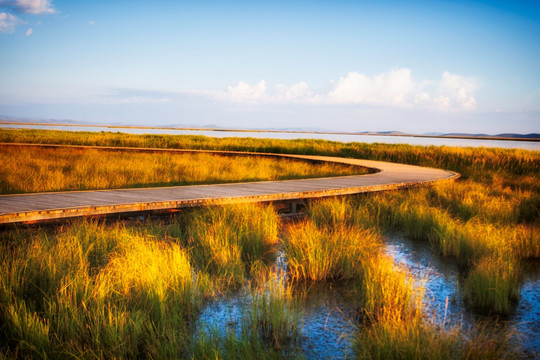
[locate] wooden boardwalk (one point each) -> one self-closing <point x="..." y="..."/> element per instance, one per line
<point x="60" y="205"/>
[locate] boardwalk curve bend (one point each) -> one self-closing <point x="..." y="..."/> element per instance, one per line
<point x="60" y="205"/>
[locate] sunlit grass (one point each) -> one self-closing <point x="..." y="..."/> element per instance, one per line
<point x="32" y="169"/>
<point x="122" y="290"/>
<point x="227" y="240"/>
<point x="335" y="243"/>
<point x="468" y="231"/>
<point x="414" y="338"/>
<point x="95" y="290"/>
<point x="322" y="254"/>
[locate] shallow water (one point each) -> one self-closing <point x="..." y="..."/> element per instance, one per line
<point x="329" y="325"/>
<point x="441" y="279"/>
<point x="439" y="275"/>
<point x="526" y="317"/>
<point x="328" y="316"/>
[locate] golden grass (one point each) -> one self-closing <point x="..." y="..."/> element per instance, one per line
<point x="227" y="240"/>
<point x="96" y="291"/>
<point x="333" y="244"/>
<point x="126" y="290"/>
<point x="322" y="254"/>
<point x="480" y="226"/>
<point x="33" y="169"/>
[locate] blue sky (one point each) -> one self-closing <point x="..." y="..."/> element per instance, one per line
<point x="414" y="66"/>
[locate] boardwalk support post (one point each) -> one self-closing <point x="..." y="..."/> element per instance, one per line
<point x="295" y="205"/>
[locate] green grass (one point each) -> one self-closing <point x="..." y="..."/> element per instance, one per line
<point x="226" y="241"/>
<point x="480" y="243"/>
<point x="493" y="284"/>
<point x="335" y="244"/>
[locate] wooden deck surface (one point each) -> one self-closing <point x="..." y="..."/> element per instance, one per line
<point x="58" y="205"/>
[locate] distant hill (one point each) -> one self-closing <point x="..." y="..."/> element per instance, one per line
<point x="505" y="135"/>
<point x="520" y="136"/>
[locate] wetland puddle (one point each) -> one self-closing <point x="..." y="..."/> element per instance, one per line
<point x="328" y="324"/>
<point x="440" y="276"/>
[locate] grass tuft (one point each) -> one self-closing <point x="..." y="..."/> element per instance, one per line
<point x="327" y="253"/>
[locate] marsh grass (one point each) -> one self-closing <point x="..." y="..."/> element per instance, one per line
<point x="32" y="169"/>
<point x="275" y="314"/>
<point x="392" y="319"/>
<point x="415" y="338"/>
<point x="328" y="253"/>
<point x="227" y="241"/>
<point x="474" y="236"/>
<point x="125" y="290"/>
<point x="95" y="290"/>
<point x="387" y="292"/>
<point x="493" y="284"/>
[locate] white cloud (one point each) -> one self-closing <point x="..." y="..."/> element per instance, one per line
<point x="8" y="23"/>
<point x="458" y="90"/>
<point x="244" y="92"/>
<point x="30" y="6"/>
<point x="394" y="88"/>
<point x="91" y="23"/>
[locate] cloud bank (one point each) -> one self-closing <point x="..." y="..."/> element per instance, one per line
<point x="394" y="88"/>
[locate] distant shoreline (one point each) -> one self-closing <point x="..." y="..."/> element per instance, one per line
<point x="472" y="137"/>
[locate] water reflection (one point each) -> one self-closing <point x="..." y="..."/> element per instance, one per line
<point x="441" y="277"/>
<point x="329" y="326"/>
<point x="329" y="311"/>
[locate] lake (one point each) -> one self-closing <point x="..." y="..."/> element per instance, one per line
<point x="511" y="144"/>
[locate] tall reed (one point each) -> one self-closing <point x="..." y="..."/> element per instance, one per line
<point x="488" y="221"/>
<point x="469" y="239"/>
<point x="393" y="322"/>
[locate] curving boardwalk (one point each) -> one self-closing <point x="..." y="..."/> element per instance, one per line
<point x="59" y="205"/>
